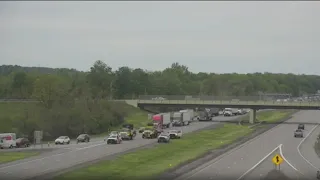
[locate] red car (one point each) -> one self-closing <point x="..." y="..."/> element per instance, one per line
<point x="22" y="142"/>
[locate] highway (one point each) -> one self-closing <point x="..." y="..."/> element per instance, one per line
<point x="68" y="156"/>
<point x="252" y="160"/>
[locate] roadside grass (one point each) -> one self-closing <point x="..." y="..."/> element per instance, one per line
<point x="269" y="116"/>
<point x="150" y="162"/>
<point x="6" y="157"/>
<point x="274" y="116"/>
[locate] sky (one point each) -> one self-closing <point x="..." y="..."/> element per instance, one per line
<point x="217" y="37"/>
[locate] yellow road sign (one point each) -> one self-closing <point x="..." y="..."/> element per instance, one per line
<point x="277" y="159"/>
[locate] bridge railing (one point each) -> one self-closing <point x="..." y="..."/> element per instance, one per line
<point x="203" y="97"/>
<point x="230" y="102"/>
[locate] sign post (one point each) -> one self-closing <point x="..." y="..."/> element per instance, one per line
<point x="277" y="160"/>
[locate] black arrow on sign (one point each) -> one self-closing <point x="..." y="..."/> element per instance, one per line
<point x="277" y="158"/>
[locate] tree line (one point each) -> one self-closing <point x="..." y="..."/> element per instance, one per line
<point x="102" y="82"/>
<point x="71" y="102"/>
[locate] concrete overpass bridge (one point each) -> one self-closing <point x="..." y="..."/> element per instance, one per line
<point x="253" y="102"/>
<point x="177" y="101"/>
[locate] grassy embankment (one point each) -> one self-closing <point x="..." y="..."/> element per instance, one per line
<point x="6" y="157"/>
<point x="147" y="163"/>
<point x="10" y="112"/>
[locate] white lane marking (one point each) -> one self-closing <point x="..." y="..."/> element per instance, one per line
<point x="228" y="153"/>
<point x="39" y="159"/>
<point x="288" y="161"/>
<point x="298" y="147"/>
<point x="264" y="158"/>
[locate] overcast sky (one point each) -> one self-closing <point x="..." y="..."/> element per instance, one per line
<point x="206" y="36"/>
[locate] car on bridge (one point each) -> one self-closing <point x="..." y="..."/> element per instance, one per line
<point x="298" y="133"/>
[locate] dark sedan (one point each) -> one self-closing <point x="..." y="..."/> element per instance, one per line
<point x="22" y="142"/>
<point x="83" y="138"/>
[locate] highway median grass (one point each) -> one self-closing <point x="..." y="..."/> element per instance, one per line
<point x="274" y="116"/>
<point x="6" y="157"/>
<point x="271" y="116"/>
<point x="150" y="162"/>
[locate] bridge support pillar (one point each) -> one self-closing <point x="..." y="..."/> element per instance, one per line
<point x="253" y="114"/>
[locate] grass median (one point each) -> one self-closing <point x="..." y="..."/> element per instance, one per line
<point x="6" y="157"/>
<point x="149" y="162"/>
<point x="274" y="116"/>
<point x="146" y="163"/>
<point x="271" y="116"/>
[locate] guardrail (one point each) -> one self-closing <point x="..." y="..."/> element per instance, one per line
<point x="209" y="102"/>
<point x="202" y="97"/>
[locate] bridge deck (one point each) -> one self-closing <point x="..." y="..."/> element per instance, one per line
<point x="244" y="104"/>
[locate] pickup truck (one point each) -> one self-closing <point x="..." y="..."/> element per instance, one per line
<point x="175" y="134"/>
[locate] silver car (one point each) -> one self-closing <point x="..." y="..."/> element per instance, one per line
<point x="298" y="133"/>
<point x="163" y="138"/>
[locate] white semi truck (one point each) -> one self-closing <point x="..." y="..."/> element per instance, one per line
<point x="189" y="111"/>
<point x="181" y="118"/>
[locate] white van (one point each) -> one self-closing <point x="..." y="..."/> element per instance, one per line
<point x="8" y="140"/>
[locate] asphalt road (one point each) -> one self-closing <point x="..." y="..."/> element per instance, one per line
<point x="252" y="160"/>
<point x="74" y="154"/>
